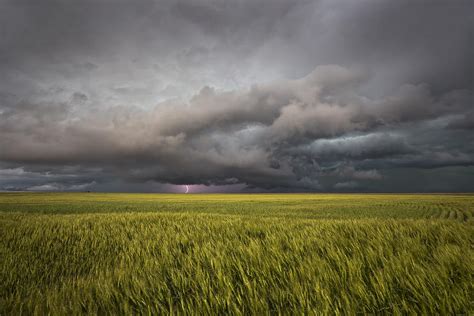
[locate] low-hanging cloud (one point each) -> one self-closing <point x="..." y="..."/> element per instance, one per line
<point x="295" y="98"/>
<point x="256" y="136"/>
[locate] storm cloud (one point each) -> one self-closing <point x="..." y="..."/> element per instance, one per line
<point x="236" y="95"/>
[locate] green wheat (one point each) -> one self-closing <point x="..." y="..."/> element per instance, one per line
<point x="236" y="254"/>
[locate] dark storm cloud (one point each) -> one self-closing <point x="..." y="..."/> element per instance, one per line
<point x="367" y="146"/>
<point x="464" y="122"/>
<point x="418" y="41"/>
<point x="277" y="95"/>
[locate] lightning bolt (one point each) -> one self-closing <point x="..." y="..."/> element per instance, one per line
<point x="187" y="188"/>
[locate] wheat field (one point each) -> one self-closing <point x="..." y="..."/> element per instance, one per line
<point x="92" y="253"/>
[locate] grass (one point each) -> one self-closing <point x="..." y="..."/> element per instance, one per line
<point x="236" y="254"/>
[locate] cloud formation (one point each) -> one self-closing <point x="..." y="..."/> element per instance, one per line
<point x="265" y="96"/>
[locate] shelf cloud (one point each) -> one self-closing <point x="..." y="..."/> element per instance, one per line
<point x="244" y="95"/>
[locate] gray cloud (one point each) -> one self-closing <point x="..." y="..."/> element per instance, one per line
<point x="466" y="121"/>
<point x="302" y="95"/>
<point x="367" y="146"/>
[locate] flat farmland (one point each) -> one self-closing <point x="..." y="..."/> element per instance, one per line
<point x="74" y="253"/>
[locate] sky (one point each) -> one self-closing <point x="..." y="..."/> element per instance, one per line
<point x="237" y="95"/>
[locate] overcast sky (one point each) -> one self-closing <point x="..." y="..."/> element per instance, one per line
<point x="237" y="95"/>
